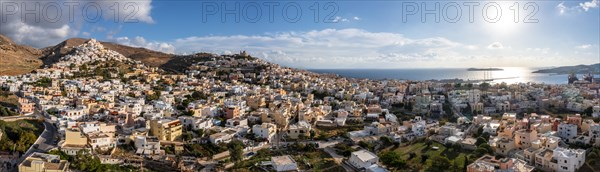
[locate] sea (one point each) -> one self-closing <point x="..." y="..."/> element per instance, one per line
<point x="509" y="75"/>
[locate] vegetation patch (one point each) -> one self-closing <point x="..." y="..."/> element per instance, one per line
<point x="19" y="135"/>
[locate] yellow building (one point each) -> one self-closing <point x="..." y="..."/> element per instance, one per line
<point x="298" y="130"/>
<point x="278" y="117"/>
<point x="166" y="129"/>
<point x="43" y="163"/>
<point x="74" y="137"/>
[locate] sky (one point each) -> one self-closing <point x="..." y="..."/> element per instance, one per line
<point x="327" y="34"/>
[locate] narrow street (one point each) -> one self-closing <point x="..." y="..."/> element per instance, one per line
<point x="45" y="142"/>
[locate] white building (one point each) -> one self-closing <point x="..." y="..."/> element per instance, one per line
<point x="568" y="160"/>
<point x="265" y="131"/>
<point x="567" y="131"/>
<point x="284" y="163"/>
<point x="89" y="127"/>
<point x="224" y="136"/>
<point x="594" y="133"/>
<point x="491" y="128"/>
<point x="363" y="159"/>
<point x="73" y="114"/>
<point x="99" y="140"/>
<point x="418" y="128"/>
<point x="147" y="145"/>
<point x="596" y="111"/>
<point x="196" y="123"/>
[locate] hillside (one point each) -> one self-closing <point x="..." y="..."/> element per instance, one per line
<point x="17" y="59"/>
<point x="579" y="69"/>
<point x="148" y="57"/>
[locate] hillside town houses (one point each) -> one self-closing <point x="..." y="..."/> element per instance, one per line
<point x="99" y="100"/>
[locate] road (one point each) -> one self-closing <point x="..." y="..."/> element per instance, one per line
<point x="336" y="157"/>
<point x="45" y="142"/>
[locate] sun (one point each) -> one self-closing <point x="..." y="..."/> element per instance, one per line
<point x="504" y="20"/>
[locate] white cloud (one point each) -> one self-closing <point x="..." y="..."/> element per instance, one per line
<point x="587" y="5"/>
<point x="129" y="11"/>
<point x="495" y="46"/>
<point x="562" y="9"/>
<point x="139" y="41"/>
<point x="581" y="7"/>
<point x="584" y="46"/>
<point x="338" y="19"/>
<point x="356" y="48"/>
<point x="53" y="22"/>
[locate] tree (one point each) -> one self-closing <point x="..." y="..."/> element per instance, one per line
<point x="392" y="159"/>
<point x="588" y="111"/>
<point x="480" y="151"/>
<point x="366" y="145"/>
<point x="456" y="167"/>
<point x="428" y="143"/>
<point x="63" y="155"/>
<point x="236" y="149"/>
<point x="424" y="158"/>
<point x="480" y="140"/>
<point x="439" y="163"/>
<point x="411" y="155"/>
<point x="456" y="147"/>
<point x="487" y="147"/>
<point x="484" y="86"/>
<point x="592" y="155"/>
<point x="409" y="106"/>
<point x="457" y="85"/>
<point x="188" y="113"/>
<point x="386" y="141"/>
<point x="465" y="164"/>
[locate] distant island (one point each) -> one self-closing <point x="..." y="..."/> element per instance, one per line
<point x="485" y="69"/>
<point x="579" y="69"/>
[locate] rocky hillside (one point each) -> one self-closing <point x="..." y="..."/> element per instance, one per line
<point x="148" y="57"/>
<point x="17" y="59"/>
<point x="579" y="69"/>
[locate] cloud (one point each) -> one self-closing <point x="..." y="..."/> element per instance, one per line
<point x="46" y="23"/>
<point x="581" y="7"/>
<point x="139" y="41"/>
<point x="338" y="19"/>
<point x="357" y="48"/>
<point x="562" y="9"/>
<point x="495" y="46"/>
<point x="129" y="11"/>
<point x="584" y="46"/>
<point x="353" y="48"/>
<point x="587" y="5"/>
